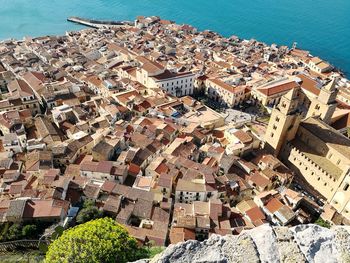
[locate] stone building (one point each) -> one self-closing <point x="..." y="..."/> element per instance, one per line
<point x="319" y="154"/>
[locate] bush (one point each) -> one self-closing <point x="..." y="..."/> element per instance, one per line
<point x="4" y="228"/>
<point x="29" y="231"/>
<point x="14" y="232"/>
<point x="322" y="223"/>
<point x="100" y="240"/>
<point x="88" y="212"/>
<point x="152" y="251"/>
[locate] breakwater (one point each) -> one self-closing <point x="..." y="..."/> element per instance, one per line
<point x="98" y="23"/>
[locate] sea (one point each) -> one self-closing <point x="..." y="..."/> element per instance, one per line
<point x="320" y="26"/>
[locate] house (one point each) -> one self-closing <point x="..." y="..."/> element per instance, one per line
<point x="154" y="75"/>
<point x="181" y="234"/>
<point x="104" y="170"/>
<point x="275" y="210"/>
<point x="270" y="93"/>
<point x="103" y="151"/>
<point x="188" y="191"/>
<point x="225" y="93"/>
<point x="37" y="210"/>
<point x="318" y="65"/>
<point x="37" y="161"/>
<point x="12" y="143"/>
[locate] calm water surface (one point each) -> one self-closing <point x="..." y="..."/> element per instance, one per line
<point x="321" y="26"/>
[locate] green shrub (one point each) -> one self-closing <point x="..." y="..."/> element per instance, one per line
<point x="14" y="232"/>
<point x="29" y="231"/>
<point x="100" y="240"/>
<point x="322" y="223"/>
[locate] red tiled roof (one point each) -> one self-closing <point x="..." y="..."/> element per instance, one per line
<point x="309" y="84"/>
<point x="44" y="208"/>
<point x="276" y="89"/>
<point x="134" y="169"/>
<point x="162" y="168"/>
<point x="273" y="205"/>
<point x="255" y="214"/>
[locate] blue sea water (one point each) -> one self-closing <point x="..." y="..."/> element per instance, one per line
<point x="321" y="26"/>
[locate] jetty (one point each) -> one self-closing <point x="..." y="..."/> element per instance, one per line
<point x="98" y="23"/>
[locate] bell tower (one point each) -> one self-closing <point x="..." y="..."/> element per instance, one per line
<point x="284" y="122"/>
<point x="324" y="105"/>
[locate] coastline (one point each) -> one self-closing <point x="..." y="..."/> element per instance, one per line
<point x="84" y="23"/>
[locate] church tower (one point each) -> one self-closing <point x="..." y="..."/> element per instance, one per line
<point x="324" y="105"/>
<point x="284" y="122"/>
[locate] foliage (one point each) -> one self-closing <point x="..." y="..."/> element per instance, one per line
<point x="14" y="232"/>
<point x="152" y="251"/>
<point x="21" y="256"/>
<point x="88" y="203"/>
<point x="100" y="240"/>
<point x="89" y="212"/>
<point x="322" y="223"/>
<point x="29" y="231"/>
<point x="3" y="230"/>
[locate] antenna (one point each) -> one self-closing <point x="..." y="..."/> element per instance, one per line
<point x="294" y="45"/>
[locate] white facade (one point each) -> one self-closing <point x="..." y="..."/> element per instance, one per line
<point x="177" y="86"/>
<point x="190" y="196"/>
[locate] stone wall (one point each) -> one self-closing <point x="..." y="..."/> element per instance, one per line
<point x="303" y="243"/>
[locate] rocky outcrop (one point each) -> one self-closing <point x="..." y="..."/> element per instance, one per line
<point x="303" y="243"/>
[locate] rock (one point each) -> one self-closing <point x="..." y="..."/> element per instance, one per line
<point x="303" y="243"/>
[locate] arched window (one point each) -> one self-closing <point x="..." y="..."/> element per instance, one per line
<point x="346" y="187"/>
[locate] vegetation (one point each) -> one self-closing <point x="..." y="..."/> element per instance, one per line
<point x="100" y="240"/>
<point x="88" y="212"/>
<point x="322" y="223"/>
<point x="23" y="256"/>
<point x="150" y="252"/>
<point x="16" y="231"/>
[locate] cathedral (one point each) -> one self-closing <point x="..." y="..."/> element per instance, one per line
<point x="305" y="141"/>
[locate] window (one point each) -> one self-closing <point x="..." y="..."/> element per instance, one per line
<point x="346" y="187"/>
<point x="338" y="162"/>
<point x="274" y="127"/>
<point x="317" y="107"/>
<point x="277" y="119"/>
<point x="272" y="134"/>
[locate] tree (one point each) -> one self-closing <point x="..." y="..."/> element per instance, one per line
<point x="89" y="212"/>
<point x="14" y="232"/>
<point x="100" y="240"/>
<point x="29" y="231"/>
